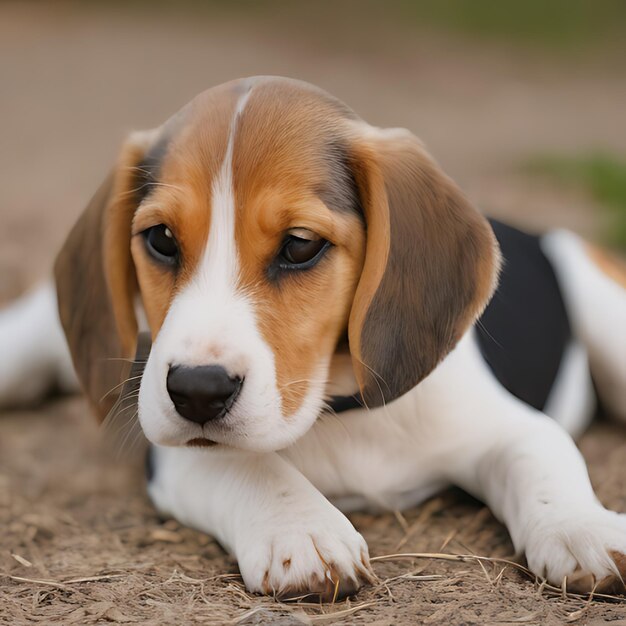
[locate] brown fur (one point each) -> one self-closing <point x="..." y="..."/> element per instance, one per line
<point x="96" y="285"/>
<point x="182" y="198"/>
<point x="300" y="159"/>
<point x="99" y="266"/>
<point x="281" y="172"/>
<point x="429" y="270"/>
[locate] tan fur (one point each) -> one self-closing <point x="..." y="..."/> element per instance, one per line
<point x="610" y="264"/>
<point x="296" y="152"/>
<point x="302" y="317"/>
<point x="275" y="180"/>
<point x="378" y="244"/>
<point x="182" y="199"/>
<point x="279" y="167"/>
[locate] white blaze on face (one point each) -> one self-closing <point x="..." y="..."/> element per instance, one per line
<point x="219" y="263"/>
<point x="212" y="322"/>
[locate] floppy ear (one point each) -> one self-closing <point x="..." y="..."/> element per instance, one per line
<point x="96" y="282"/>
<point x="430" y="265"/>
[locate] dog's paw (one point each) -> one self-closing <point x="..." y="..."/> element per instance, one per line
<point x="582" y="551"/>
<point x="322" y="556"/>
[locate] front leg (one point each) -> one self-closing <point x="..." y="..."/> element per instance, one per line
<point x="534" y="479"/>
<point x="288" y="539"/>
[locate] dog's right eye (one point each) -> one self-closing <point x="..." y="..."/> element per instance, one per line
<point x="161" y="244"/>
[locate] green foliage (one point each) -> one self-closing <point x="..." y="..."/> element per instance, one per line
<point x="552" y="22"/>
<point x="603" y="175"/>
<point x="568" y="24"/>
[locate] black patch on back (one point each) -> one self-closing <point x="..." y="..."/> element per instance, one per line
<point x="524" y="330"/>
<point x="148" y="169"/>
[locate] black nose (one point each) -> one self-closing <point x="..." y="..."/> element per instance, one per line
<point x="202" y="393"/>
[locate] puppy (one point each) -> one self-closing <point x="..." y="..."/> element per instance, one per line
<point x="315" y="290"/>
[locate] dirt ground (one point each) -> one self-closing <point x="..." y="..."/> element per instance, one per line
<point x="79" y="542"/>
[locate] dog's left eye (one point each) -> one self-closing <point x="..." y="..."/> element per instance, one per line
<point x="301" y="249"/>
<point x="161" y="244"/>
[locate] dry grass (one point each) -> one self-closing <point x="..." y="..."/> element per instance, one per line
<point x="81" y="545"/>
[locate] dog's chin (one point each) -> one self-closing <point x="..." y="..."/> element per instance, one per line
<point x="265" y="434"/>
<point x="247" y="443"/>
<point x="201" y="442"/>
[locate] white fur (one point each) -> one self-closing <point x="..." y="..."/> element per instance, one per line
<point x="481" y="438"/>
<point x="597" y="306"/>
<point x="34" y="352"/>
<point x="572" y="399"/>
<point x="270" y="507"/>
<point x="263" y="510"/>
<point x="212" y="321"/>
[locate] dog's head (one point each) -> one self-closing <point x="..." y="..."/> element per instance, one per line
<point x="278" y="245"/>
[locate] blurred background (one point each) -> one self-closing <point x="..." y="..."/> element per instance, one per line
<point x="522" y="102"/>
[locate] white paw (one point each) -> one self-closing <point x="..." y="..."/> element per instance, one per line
<point x="320" y="554"/>
<point x="584" y="550"/>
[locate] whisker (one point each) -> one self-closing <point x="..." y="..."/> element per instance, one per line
<point x="376" y="377"/>
<point x="123" y="404"/>
<point x="125" y="440"/>
<point x="110" y="391"/>
<point x="330" y="414"/>
<point x="114" y="358"/>
<point x="484" y="329"/>
<point x="127" y="425"/>
<point x="310" y="381"/>
<point x="134" y="444"/>
<point x="118" y="409"/>
<point x="122" y="423"/>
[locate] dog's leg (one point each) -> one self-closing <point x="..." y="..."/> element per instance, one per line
<point x="529" y="472"/>
<point x="35" y="357"/>
<point x="287" y="538"/>
<point x="594" y="286"/>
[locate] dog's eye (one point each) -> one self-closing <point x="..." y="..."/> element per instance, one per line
<point x="161" y="244"/>
<point x="302" y="248"/>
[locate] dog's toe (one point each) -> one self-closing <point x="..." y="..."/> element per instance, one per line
<point x="583" y="554"/>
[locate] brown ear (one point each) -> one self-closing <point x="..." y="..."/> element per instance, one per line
<point x="96" y="283"/>
<point x="430" y="265"/>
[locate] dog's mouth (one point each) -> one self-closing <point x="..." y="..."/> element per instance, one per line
<point x="201" y="442"/>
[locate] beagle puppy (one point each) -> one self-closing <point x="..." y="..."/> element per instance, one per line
<point x="333" y="326"/>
